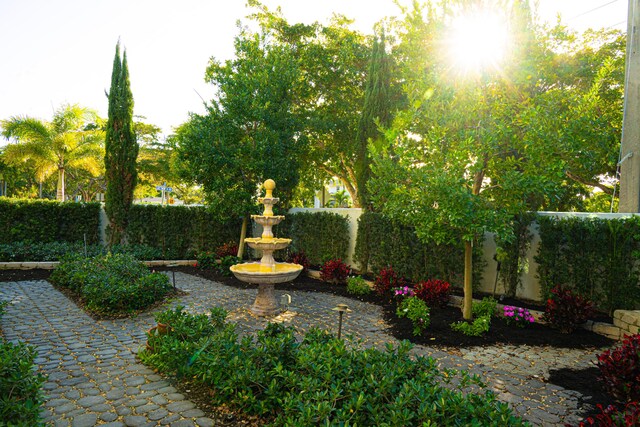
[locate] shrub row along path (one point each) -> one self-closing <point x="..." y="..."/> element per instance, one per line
<point x="94" y="378"/>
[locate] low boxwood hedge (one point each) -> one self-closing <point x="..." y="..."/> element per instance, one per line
<point x="112" y="283"/>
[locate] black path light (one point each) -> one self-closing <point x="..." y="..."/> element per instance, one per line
<point x="173" y="271"/>
<point x="341" y="309"/>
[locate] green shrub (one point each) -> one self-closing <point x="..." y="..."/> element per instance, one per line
<point x="320" y="235"/>
<point x="206" y="260"/>
<point x="20" y="387"/>
<point x="482" y="311"/>
<point x="225" y="263"/>
<point x="486" y="307"/>
<point x="114" y="283"/>
<point x="417" y="311"/>
<point x="55" y="251"/>
<point x="358" y="286"/>
<point x="45" y="221"/>
<point x="320" y="380"/>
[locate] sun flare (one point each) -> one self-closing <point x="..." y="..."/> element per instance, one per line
<point x="478" y="41"/>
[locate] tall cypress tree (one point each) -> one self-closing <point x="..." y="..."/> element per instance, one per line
<point x="376" y="111"/>
<point x="121" y="149"/>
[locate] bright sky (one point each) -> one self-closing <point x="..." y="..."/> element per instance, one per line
<point x="56" y="52"/>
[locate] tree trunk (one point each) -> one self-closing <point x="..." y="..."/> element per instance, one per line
<point x="468" y="281"/>
<point x="243" y="234"/>
<point x="60" y="190"/>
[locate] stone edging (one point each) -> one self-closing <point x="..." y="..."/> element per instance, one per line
<point x="50" y="265"/>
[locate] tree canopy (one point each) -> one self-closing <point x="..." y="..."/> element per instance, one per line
<point x="73" y="141"/>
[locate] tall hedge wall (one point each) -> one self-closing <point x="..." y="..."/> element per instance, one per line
<point x="382" y="242"/>
<point x="44" y="221"/>
<point x="179" y="231"/>
<point x="596" y="257"/>
<point x="321" y="235"/>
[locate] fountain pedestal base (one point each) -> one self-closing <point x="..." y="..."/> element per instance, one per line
<point x="265" y="303"/>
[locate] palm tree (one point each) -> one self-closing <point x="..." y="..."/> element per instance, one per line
<point x="341" y="199"/>
<point x="72" y="140"/>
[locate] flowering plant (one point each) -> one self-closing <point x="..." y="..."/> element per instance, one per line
<point x="386" y="280"/>
<point x="518" y="316"/>
<point x="403" y="292"/>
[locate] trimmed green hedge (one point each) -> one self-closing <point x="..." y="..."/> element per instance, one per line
<point x="383" y="243"/>
<point x="179" y="231"/>
<point x="597" y="258"/>
<point x="46" y="221"/>
<point x="320" y="235"/>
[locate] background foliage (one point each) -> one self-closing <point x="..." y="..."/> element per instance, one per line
<point x="45" y="221"/>
<point x="321" y="235"/>
<point x="596" y="258"/>
<point x="382" y="242"/>
<point x="179" y="232"/>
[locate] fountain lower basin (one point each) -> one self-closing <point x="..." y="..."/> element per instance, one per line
<point x="255" y="272"/>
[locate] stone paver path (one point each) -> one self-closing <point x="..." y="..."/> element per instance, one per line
<point x="94" y="377"/>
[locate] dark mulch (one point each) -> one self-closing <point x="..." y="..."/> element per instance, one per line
<point x="439" y="333"/>
<point x="17" y="275"/>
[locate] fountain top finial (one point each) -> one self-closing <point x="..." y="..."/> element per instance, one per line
<point x="269" y="185"/>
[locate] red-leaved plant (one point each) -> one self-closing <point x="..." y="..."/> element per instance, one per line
<point x="566" y="311"/>
<point x="227" y="249"/>
<point x="386" y="280"/>
<point x="434" y="292"/>
<point x="334" y="271"/>
<point x="620" y="369"/>
<point x="299" y="258"/>
<point x="612" y="417"/>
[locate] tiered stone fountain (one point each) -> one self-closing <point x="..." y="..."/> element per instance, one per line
<point x="267" y="272"/>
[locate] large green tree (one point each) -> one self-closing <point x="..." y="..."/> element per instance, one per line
<point x="251" y="131"/>
<point x="466" y="154"/>
<point x="121" y="150"/>
<point x="71" y="141"/>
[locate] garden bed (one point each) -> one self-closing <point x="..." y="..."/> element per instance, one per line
<point x="439" y="333"/>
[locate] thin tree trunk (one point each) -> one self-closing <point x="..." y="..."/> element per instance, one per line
<point x="60" y="190"/>
<point x="468" y="281"/>
<point x="243" y="234"/>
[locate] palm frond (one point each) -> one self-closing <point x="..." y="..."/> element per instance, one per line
<point x="23" y="129"/>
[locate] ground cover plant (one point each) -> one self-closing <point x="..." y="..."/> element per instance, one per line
<point x="111" y="284"/>
<point x="284" y="380"/>
<point x="20" y="386"/>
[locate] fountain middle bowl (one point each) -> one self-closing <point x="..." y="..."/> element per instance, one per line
<point x="255" y="272"/>
<point x="272" y="244"/>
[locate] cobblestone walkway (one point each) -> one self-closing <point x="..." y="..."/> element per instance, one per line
<point x="94" y="377"/>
